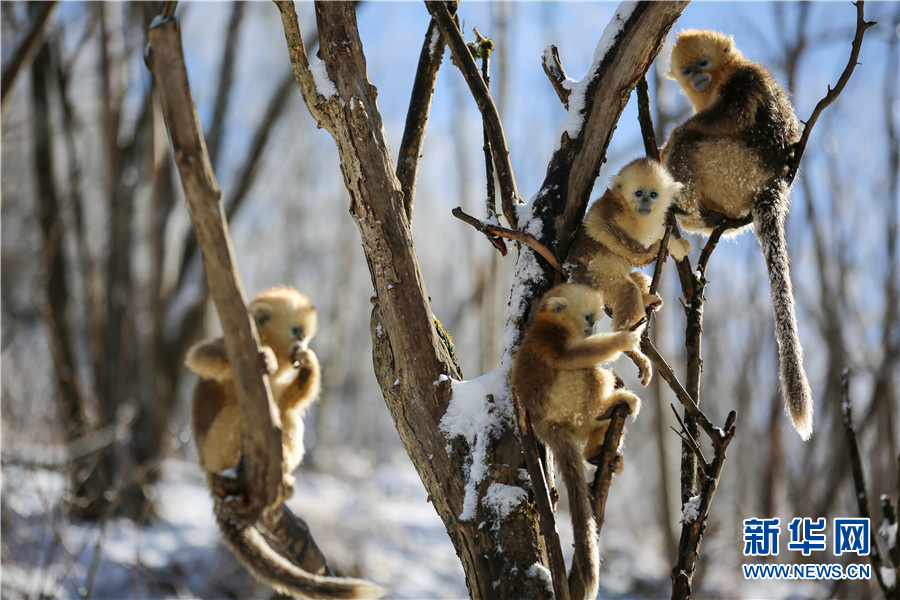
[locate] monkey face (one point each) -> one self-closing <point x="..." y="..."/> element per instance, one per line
<point x="575" y="305"/>
<point x="644" y="199"/>
<point x="286" y="321"/>
<point x="697" y="62"/>
<point x="696" y="75"/>
<point x="644" y="184"/>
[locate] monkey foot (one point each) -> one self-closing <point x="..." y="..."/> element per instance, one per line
<point x="266" y="361"/>
<point x="617" y="463"/>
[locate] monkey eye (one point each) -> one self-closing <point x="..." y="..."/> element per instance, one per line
<point x="686" y="71"/>
<point x="639" y="194"/>
<point x="589" y="318"/>
<point x="297" y="332"/>
<point x="704" y="63"/>
<point x="653" y="195"/>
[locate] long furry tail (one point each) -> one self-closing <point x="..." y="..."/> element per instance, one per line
<point x="585" y="570"/>
<point x="768" y="218"/>
<point x="273" y="569"/>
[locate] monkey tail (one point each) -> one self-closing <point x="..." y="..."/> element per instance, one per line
<point x="769" y="213"/>
<point x="273" y="569"/>
<point x="585" y="570"/>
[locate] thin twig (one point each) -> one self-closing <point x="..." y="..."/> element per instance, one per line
<point x="608" y="458"/>
<point x="557" y="75"/>
<point x="645" y="120"/>
<point x="546" y="519"/>
<point x="481" y="226"/>
<point x="226" y="78"/>
<point x="509" y="195"/>
<point x="859" y="478"/>
<point x="520" y="236"/>
<point x="430" y="58"/>
<point x="687" y="437"/>
<point x="861" y="26"/>
<point x="665" y="371"/>
<point x="490" y="203"/>
<point x="651" y="149"/>
<point x="692" y="529"/>
<point x="23" y="54"/>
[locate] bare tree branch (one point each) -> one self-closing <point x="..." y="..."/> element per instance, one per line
<point x="226" y="77"/>
<point x="509" y="194"/>
<point x="410" y="355"/>
<point x="695" y="511"/>
<point x="543" y="501"/>
<point x="861" y="26"/>
<point x="481" y="226"/>
<point x="23" y="54"/>
<point x="419" y="107"/>
<point x="859" y="484"/>
<point x="557" y="75"/>
<point x="607" y="462"/>
<point x="261" y="446"/>
<point x="494" y="231"/>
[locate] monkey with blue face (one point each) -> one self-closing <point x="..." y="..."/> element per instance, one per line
<point x="732" y="156"/>
<point x="623" y="231"/>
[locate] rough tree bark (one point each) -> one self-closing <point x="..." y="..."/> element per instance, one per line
<point x="412" y="359"/>
<point x="261" y="445"/>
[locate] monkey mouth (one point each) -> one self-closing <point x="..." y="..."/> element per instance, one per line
<point x="701" y="82"/>
<point x="644" y="209"/>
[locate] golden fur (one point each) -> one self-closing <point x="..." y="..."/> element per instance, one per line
<point x="286" y="321"/>
<point x="557" y="374"/>
<point x="732" y="157"/>
<point x="616" y="238"/>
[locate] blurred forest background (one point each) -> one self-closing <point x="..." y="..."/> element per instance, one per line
<point x="102" y="290"/>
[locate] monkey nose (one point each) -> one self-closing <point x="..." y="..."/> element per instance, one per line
<point x="701" y="82"/>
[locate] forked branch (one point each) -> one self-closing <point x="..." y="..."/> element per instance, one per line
<point x="430" y="58"/>
<point x="859" y="483"/>
<point x="493" y="232"/>
<point x="833" y="92"/>
<point x="558" y="79"/>
<point x="509" y="194"/>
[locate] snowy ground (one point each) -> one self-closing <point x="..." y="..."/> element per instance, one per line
<point x="370" y="521"/>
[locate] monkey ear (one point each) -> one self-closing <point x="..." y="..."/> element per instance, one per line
<point x="670" y="75"/>
<point x="261" y="314"/>
<point x="728" y="44"/>
<point x="616" y="181"/>
<point x="556" y="304"/>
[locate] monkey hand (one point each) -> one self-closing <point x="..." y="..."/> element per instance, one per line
<point x="301" y="358"/>
<point x="288" y="485"/>
<point x="653" y="302"/>
<point x="679" y="248"/>
<point x="663" y="152"/>
<point x="266" y="361"/>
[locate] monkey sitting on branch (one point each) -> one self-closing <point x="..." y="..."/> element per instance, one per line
<point x="623" y="231"/>
<point x="732" y="157"/>
<point x="558" y="378"/>
<point x="286" y="322"/>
